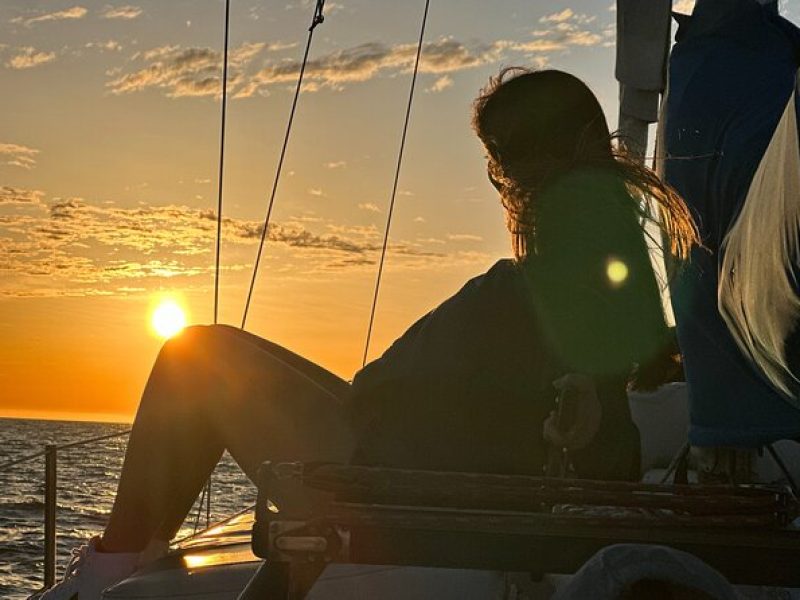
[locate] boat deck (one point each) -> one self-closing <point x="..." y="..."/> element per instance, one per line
<point x="215" y="564"/>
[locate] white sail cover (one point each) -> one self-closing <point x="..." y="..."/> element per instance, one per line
<point x="757" y="289"/>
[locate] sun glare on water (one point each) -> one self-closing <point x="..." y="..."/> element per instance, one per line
<point x="168" y="319"/>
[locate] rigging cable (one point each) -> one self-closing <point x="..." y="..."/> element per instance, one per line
<point x="224" y="105"/>
<point x="317" y="19"/>
<point x="221" y="156"/>
<point x="396" y="179"/>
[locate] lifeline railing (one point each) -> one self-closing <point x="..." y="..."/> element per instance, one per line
<point x="50" y="454"/>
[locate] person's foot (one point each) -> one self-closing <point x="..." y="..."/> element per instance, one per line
<point x="91" y="571"/>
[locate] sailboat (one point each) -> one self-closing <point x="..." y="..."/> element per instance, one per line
<point x="306" y="517"/>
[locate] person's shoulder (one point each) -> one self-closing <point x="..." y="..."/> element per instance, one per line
<point x="500" y="276"/>
<point x="452" y="324"/>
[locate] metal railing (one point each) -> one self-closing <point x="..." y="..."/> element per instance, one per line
<point x="50" y="454"/>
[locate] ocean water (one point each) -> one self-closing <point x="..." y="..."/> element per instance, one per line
<point x="87" y="480"/>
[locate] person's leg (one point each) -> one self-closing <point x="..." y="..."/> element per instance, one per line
<point x="216" y="388"/>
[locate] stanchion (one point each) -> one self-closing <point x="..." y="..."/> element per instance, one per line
<point x="50" y="483"/>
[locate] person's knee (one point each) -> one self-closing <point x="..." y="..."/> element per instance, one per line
<point x="196" y="339"/>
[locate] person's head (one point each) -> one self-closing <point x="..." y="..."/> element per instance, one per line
<point x="537" y="125"/>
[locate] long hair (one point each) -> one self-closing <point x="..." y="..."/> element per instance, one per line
<point x="537" y="125"/>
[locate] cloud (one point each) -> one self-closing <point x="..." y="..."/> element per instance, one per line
<point x="72" y="246"/>
<point x="566" y="29"/>
<point x="559" y="17"/>
<point x="13" y="195"/>
<point x="121" y="12"/>
<point x="181" y="72"/>
<point x="17" y="155"/>
<point x="336" y="164"/>
<point x="464" y="237"/>
<point x="441" y="84"/>
<point x="365" y="61"/>
<point x="369" y="206"/>
<point x="316" y="192"/>
<point x="76" y="12"/>
<point x="28" y="57"/>
<point x="195" y="71"/>
<point x="568" y="16"/>
<point x="108" y="45"/>
<point x="684" y="6"/>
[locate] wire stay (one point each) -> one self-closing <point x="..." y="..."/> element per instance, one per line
<point x="396" y="180"/>
<point x="224" y="107"/>
<point x="317" y="19"/>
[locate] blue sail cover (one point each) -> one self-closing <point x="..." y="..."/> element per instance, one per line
<point x="732" y="73"/>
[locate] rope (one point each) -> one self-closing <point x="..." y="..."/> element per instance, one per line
<point x="396" y="179"/>
<point x="317" y="19"/>
<point x="221" y="156"/>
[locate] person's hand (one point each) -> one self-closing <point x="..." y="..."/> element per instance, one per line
<point x="665" y="366"/>
<point x="578" y="396"/>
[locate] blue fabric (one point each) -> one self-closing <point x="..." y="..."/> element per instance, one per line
<point x="732" y="72"/>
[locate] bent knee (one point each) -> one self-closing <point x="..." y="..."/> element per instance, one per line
<point x="195" y="338"/>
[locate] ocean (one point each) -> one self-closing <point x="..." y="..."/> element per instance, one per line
<point x="87" y="480"/>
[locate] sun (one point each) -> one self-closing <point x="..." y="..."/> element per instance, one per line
<point x="168" y="319"/>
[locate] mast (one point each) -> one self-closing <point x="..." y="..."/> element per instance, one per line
<point x="643" y="44"/>
<point x="643" y="39"/>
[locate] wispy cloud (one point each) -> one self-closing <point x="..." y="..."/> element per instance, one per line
<point x="369" y="207"/>
<point x="365" y="61"/>
<point x="28" y="57"/>
<point x="559" y="17"/>
<point x="13" y="195"/>
<point x="108" y="45"/>
<point x="464" y="237"/>
<point x="568" y="16"/>
<point x="195" y="71"/>
<point x="564" y="29"/>
<point x="122" y="12"/>
<point x="335" y="164"/>
<point x="441" y="84"/>
<point x="181" y="72"/>
<point x="68" y="245"/>
<point x="76" y="12"/>
<point x="17" y="155"/>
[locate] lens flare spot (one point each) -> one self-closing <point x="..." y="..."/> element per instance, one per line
<point x="168" y="319"/>
<point x="616" y="271"/>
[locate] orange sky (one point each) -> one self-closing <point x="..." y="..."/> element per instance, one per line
<point x="108" y="158"/>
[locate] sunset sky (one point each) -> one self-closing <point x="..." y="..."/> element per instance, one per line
<point x="108" y="174"/>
